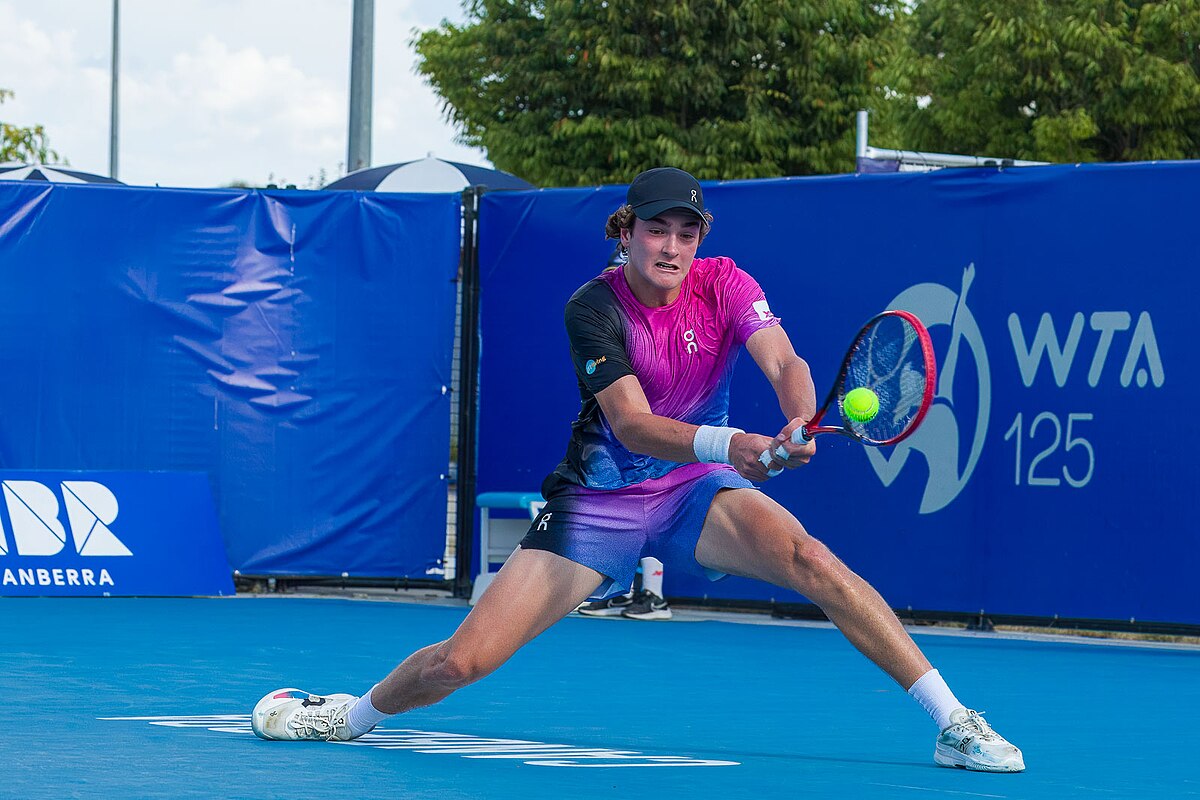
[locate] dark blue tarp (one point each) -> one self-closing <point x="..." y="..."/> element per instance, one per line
<point x="1055" y="472"/>
<point x="295" y="346"/>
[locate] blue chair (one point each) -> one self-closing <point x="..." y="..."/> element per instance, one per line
<point x="500" y="534"/>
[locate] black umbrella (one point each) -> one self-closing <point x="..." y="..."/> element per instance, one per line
<point x="428" y="175"/>
<point x="51" y="173"/>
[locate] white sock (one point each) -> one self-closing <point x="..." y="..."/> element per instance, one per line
<point x="935" y="697"/>
<point x="364" y="716"/>
<point x="652" y="575"/>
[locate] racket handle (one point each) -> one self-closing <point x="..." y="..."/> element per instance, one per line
<point x="799" y="436"/>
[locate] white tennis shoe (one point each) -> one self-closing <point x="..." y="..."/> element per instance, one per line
<point x="292" y="715"/>
<point x="969" y="742"/>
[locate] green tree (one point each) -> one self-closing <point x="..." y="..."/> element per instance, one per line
<point x="1061" y="80"/>
<point x="24" y="144"/>
<point x="563" y="92"/>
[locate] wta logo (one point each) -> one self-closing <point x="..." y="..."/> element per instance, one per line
<point x="949" y="429"/>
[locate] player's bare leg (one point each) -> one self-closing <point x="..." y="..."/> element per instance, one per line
<point x="532" y="591"/>
<point x="749" y="534"/>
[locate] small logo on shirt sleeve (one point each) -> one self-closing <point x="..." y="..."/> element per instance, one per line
<point x="764" y="310"/>
<point x="592" y="363"/>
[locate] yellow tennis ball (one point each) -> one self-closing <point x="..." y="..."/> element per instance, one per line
<point x="861" y="404"/>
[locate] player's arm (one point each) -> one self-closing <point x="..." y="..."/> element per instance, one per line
<point x="640" y="430"/>
<point x="789" y="375"/>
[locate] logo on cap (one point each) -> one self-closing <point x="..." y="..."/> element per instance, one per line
<point x="656" y="191"/>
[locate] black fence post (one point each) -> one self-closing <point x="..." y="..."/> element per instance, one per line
<point x="468" y="395"/>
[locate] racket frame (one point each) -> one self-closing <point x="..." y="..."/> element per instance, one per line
<point x="806" y="432"/>
<point x="837" y="393"/>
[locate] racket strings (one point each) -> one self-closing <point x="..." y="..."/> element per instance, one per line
<point x="889" y="360"/>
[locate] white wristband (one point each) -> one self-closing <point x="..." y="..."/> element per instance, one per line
<point x="711" y="444"/>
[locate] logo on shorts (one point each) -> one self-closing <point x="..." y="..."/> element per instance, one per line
<point x="592" y="363"/>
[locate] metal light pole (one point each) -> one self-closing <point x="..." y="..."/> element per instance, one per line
<point x="112" y="120"/>
<point x="362" y="57"/>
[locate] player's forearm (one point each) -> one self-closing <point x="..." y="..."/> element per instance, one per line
<point x="793" y="385"/>
<point x="659" y="437"/>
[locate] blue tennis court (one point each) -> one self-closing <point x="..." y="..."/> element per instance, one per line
<point x="150" y="698"/>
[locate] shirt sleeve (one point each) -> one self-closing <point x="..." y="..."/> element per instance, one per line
<point x="597" y="334"/>
<point x="746" y="305"/>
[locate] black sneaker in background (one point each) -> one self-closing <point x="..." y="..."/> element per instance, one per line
<point x="647" y="606"/>
<point x="609" y="607"/>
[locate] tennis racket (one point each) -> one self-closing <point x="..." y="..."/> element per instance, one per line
<point x="893" y="357"/>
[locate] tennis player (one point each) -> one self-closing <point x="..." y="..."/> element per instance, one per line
<point x="653" y="468"/>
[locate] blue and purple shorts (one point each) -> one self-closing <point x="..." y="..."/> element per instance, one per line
<point x="611" y="530"/>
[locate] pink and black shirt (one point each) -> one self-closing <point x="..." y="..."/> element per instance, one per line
<point x="682" y="354"/>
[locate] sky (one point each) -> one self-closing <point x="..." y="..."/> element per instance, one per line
<point x="216" y="91"/>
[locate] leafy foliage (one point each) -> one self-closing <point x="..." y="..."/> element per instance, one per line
<point x="563" y="92"/>
<point x="27" y="145"/>
<point x="1071" y="80"/>
<point x="567" y="92"/>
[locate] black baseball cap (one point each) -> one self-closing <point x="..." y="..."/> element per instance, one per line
<point x="662" y="189"/>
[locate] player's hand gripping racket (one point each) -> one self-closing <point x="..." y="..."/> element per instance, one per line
<point x="892" y="359"/>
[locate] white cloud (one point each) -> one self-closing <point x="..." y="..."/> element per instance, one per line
<point x="406" y="110"/>
<point x="40" y="63"/>
<point x="224" y="114"/>
<point x="217" y="90"/>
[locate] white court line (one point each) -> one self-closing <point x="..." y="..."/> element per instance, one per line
<point x="538" y="754"/>
<point x="440" y="599"/>
<point x="931" y="789"/>
<point x="756" y="618"/>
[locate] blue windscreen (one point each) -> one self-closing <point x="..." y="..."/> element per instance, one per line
<point x="293" y="346"/>
<point x="1057" y="299"/>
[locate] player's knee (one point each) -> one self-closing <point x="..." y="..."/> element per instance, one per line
<point x="456" y="667"/>
<point x="811" y="557"/>
<point x="818" y="569"/>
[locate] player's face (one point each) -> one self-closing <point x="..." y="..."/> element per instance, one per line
<point x="660" y="255"/>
